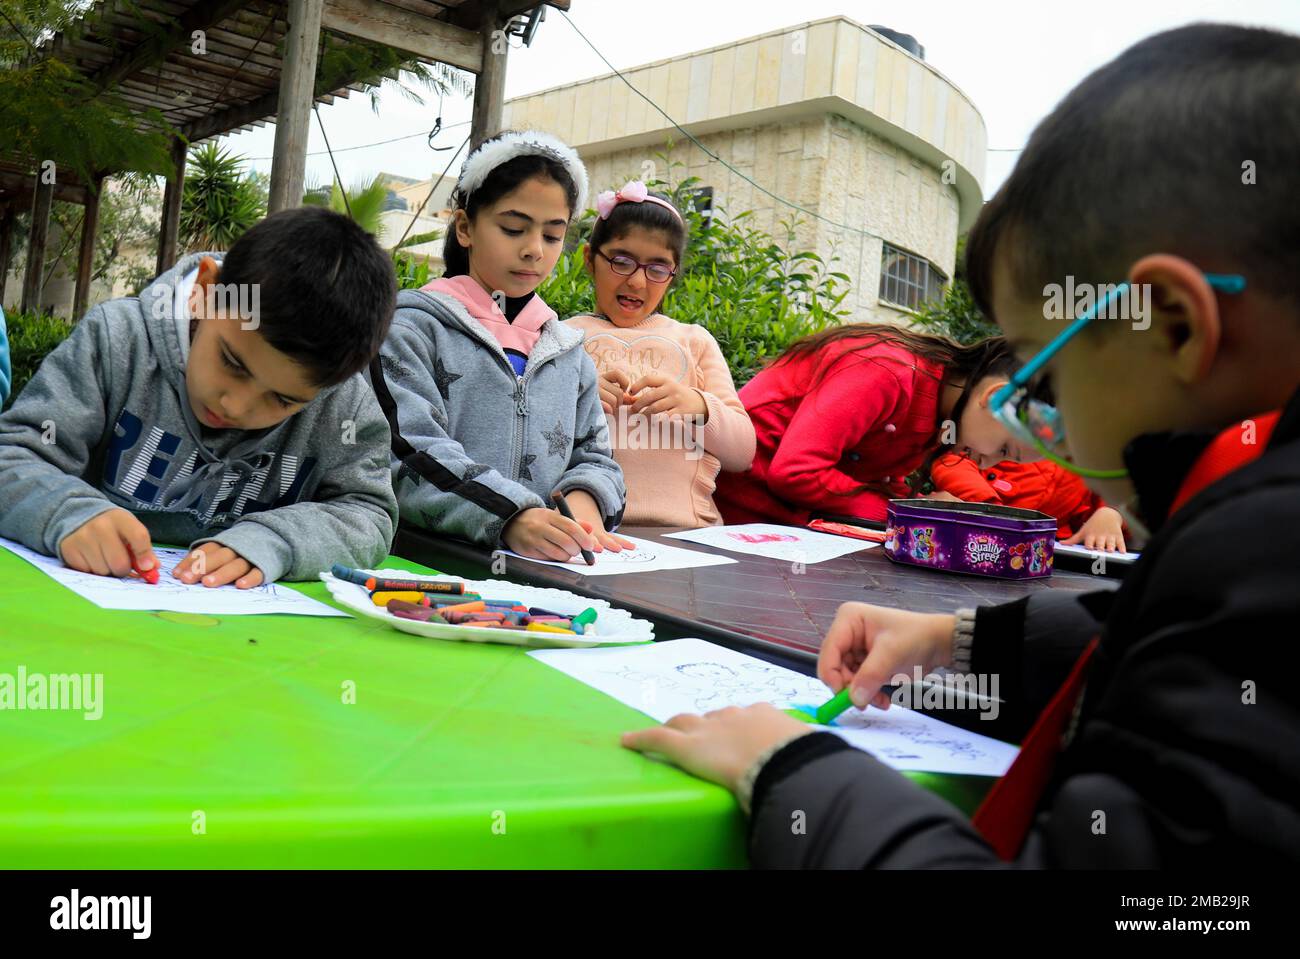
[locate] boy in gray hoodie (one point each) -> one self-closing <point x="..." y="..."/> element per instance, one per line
<point x="223" y="408"/>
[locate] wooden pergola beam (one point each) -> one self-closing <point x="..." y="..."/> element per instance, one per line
<point x="413" y="33"/>
<point x="296" y="96"/>
<point x="34" y="278"/>
<point x="169" y="228"/>
<point x="490" y="85"/>
<point x="156" y="47"/>
<point x="86" y="254"/>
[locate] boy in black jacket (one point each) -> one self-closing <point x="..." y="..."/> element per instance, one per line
<point x="1175" y="739"/>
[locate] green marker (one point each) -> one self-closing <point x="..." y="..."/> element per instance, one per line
<point x="584" y="619"/>
<point x="828" y="710"/>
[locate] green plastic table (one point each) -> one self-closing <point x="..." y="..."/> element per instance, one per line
<point x="230" y="742"/>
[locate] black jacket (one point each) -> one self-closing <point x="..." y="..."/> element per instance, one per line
<point x="1188" y="739"/>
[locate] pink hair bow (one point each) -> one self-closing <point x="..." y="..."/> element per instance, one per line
<point x="633" y="191"/>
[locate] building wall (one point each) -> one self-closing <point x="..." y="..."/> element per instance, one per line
<point x="828" y="115"/>
<point x="830" y="166"/>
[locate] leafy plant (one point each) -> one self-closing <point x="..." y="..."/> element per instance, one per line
<point x="31" y="337"/>
<point x="365" y="203"/>
<point x="219" y="202"/>
<point x="752" y="293"/>
<point x="956" y="315"/>
<point x="412" y="272"/>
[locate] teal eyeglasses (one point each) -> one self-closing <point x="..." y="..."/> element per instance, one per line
<point x="1031" y="418"/>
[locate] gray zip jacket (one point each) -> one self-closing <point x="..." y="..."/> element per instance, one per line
<point x="487" y="443"/>
<point x="106" y="422"/>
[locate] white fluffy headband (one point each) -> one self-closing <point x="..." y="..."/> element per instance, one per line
<point x="492" y="153"/>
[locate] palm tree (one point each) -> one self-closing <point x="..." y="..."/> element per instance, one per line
<point x="365" y="202"/>
<point x="220" y="202"/>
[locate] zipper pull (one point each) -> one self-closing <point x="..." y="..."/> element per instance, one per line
<point x="520" y="405"/>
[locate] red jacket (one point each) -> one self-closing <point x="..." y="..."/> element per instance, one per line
<point x="1041" y="485"/>
<point x="871" y="418"/>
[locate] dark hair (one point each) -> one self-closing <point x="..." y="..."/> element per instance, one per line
<point x="626" y="217"/>
<point x="1149" y="154"/>
<point x="964" y="363"/>
<point x="502" y="180"/>
<point x="326" y="291"/>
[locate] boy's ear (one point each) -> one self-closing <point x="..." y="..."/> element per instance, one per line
<point x="1182" y="310"/>
<point x="209" y="269"/>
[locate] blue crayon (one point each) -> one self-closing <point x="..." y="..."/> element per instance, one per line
<point x="538" y="611"/>
<point x="349" y="575"/>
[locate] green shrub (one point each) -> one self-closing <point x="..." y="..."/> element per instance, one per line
<point x="31" y="337"/>
<point x="736" y="281"/>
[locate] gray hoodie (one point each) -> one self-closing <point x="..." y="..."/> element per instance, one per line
<point x="489" y="443"/>
<point x="106" y="423"/>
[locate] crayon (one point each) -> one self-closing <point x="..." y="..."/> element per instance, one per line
<point x="563" y="506"/>
<point x="416" y="585"/>
<point x="446" y="599"/>
<point x="547" y="628"/>
<point x="382" y="598"/>
<point x="150" y="576"/>
<point x="482" y="617"/>
<point x="349" y="575"/>
<point x="538" y="611"/>
<point x="404" y="610"/>
<point x="584" y="619"/>
<point x="509" y="603"/>
<point x="548" y="621"/>
<point x="475" y="607"/>
<point x="492" y="625"/>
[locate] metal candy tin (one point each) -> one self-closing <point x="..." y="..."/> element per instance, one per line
<point x="978" y="538"/>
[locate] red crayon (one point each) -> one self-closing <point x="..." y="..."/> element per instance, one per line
<point x="150" y="576"/>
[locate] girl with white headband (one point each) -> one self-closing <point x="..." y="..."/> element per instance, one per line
<point x="492" y="402"/>
<point x="664" y="385"/>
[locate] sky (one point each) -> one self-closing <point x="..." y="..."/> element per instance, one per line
<point x="1014" y="59"/>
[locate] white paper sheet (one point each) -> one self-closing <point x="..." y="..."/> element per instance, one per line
<point x="694" y="676"/>
<point x="1117" y="557"/>
<point x="111" y="592"/>
<point x="648" y="557"/>
<point x="789" y="544"/>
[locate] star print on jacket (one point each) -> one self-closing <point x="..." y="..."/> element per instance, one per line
<point x="405" y="472"/>
<point x="393" y="367"/>
<point x="444" y="378"/>
<point x="524" y="472"/>
<point x="592" y="437"/>
<point x="557" y="441"/>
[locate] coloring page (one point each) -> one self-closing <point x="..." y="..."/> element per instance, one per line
<point x="647" y="557"/>
<point x="129" y="592"/>
<point x="694" y="676"/>
<point x="790" y="544"/>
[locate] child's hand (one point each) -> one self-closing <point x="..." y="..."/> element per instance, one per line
<point x="613" y="389"/>
<point x="719" y="746"/>
<point x="587" y="512"/>
<point x="869" y="645"/>
<point x="659" y="393"/>
<point x="216" y="565"/>
<point x="1104" y="531"/>
<point x="105" y="544"/>
<point x="544" y="534"/>
<point x="605" y="539"/>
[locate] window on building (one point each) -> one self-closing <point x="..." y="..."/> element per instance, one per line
<point x="907" y="280"/>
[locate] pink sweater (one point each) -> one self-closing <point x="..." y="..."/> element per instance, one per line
<point x="671" y="486"/>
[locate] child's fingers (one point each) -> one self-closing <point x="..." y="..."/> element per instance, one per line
<point x="652" y="380"/>
<point x="619" y="377"/>
<point x="650" y="396"/>
<point x="115" y="554"/>
<point x="250" y="580"/>
<point x="663" y="740"/>
<point x="137" y="539"/>
<point x="227" y="573"/>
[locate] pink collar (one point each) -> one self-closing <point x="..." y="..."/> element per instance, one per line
<point x="483" y="308"/>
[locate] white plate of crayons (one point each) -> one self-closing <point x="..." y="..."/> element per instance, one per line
<point x="482" y="610"/>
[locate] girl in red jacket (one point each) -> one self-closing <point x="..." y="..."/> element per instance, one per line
<point x="1082" y="516"/>
<point x="845" y="416"/>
